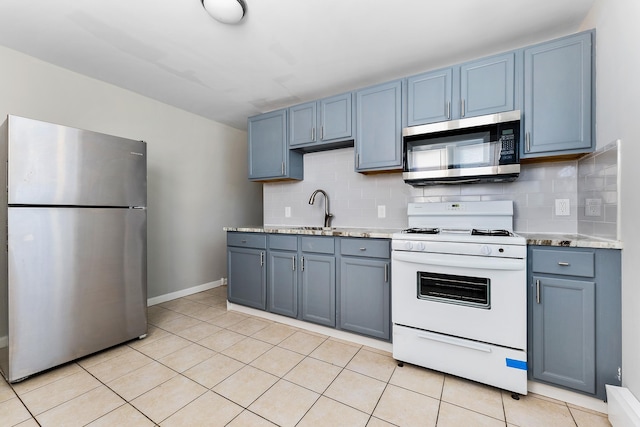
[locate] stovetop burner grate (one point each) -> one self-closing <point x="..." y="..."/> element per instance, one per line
<point x="417" y="230"/>
<point x="478" y="232"/>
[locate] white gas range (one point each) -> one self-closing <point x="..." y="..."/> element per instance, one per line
<point x="459" y="292"/>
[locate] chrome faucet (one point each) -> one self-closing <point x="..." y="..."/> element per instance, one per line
<point x="327" y="215"/>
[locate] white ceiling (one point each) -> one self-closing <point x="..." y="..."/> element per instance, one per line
<point x="283" y="52"/>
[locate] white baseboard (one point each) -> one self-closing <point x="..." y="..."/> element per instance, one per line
<point x="567" y="396"/>
<point x="324" y="330"/>
<point x="624" y="408"/>
<point x="184" y="292"/>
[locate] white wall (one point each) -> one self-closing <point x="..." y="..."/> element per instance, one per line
<point x="197" y="168"/>
<point x="617" y="95"/>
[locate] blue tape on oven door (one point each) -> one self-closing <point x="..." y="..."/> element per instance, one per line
<point x="517" y="364"/>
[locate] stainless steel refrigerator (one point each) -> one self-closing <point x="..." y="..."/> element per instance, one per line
<point x="74" y="278"/>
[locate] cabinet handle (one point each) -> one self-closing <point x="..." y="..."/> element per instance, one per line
<point x="386" y="273"/>
<point x="302" y="264"/>
<point x="293" y="263"/>
<point x="313" y="134"/>
<point x="463" y="108"/>
<point x="282" y="168"/>
<point x="563" y="263"/>
<point x="321" y="132"/>
<point x="244" y="241"/>
<point x="261" y="259"/>
<point x="358" y="160"/>
<point x="527" y="142"/>
<point x="538" y="291"/>
<point x="448" y="108"/>
<point x="363" y="249"/>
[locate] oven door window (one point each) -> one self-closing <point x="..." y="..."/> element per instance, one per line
<point x="448" y="288"/>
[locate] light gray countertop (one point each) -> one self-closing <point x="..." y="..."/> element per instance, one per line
<point x="372" y="233"/>
<point x="570" y="240"/>
<point x="540" y="239"/>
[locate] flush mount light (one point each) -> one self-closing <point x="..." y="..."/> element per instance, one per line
<point x="225" y="11"/>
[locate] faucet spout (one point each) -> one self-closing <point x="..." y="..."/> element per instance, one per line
<point x="327" y="216"/>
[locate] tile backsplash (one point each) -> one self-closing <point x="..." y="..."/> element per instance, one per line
<point x="355" y="198"/>
<point x="598" y="196"/>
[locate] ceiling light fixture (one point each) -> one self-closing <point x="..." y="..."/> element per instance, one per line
<point x="225" y="11"/>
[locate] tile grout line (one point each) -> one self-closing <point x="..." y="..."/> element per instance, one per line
<point x="126" y="402"/>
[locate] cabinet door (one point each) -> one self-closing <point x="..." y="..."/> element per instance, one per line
<point x="269" y="154"/>
<point x="487" y="86"/>
<point x="564" y="335"/>
<point x="365" y="304"/>
<point x="283" y="283"/>
<point x="247" y="277"/>
<point x="335" y="117"/>
<point x="319" y="289"/>
<point x="429" y="97"/>
<point x="379" y="127"/>
<point x="557" y="97"/>
<point x="302" y="124"/>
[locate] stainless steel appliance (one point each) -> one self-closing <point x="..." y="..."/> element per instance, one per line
<point x="475" y="149"/>
<point x="74" y="278"/>
<point x="459" y="292"/>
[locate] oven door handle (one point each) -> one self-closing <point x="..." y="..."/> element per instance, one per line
<point x="463" y="261"/>
<point x="446" y="339"/>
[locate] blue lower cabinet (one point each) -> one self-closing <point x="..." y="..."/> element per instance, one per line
<point x="365" y="297"/>
<point x="282" y="283"/>
<point x="564" y="342"/>
<point x="337" y="282"/>
<point x="246" y="277"/>
<point x="575" y="325"/>
<point x="318" y="289"/>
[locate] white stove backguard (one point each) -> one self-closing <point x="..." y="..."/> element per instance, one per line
<point x="494" y="214"/>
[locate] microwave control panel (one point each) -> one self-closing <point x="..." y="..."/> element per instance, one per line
<point x="508" y="145"/>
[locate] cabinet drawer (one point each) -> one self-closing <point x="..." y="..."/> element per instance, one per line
<point x="283" y="242"/>
<point x="564" y="262"/>
<point x="321" y="245"/>
<point x="365" y="247"/>
<point x="247" y="240"/>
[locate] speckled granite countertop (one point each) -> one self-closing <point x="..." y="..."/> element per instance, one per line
<point x="373" y="233"/>
<point x="570" y="240"/>
<point x="540" y="239"/>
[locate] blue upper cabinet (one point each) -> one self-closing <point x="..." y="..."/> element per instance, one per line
<point x="557" y="116"/>
<point x="487" y="86"/>
<point x="269" y="154"/>
<point x="475" y="88"/>
<point x="321" y="124"/>
<point x="429" y="97"/>
<point x="379" y="127"/>
<point x="303" y="123"/>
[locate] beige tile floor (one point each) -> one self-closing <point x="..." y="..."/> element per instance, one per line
<point x="203" y="366"/>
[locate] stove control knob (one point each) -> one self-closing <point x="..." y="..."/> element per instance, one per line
<point x="420" y="246"/>
<point x="485" y="250"/>
<point x="408" y="245"/>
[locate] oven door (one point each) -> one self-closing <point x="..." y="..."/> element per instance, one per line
<point x="474" y="297"/>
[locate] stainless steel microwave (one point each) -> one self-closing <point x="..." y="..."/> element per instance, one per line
<point x="469" y="150"/>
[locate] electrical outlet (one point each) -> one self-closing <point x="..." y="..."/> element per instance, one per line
<point x="382" y="211"/>
<point x="287" y="212"/>
<point x="563" y="207"/>
<point x="593" y="207"/>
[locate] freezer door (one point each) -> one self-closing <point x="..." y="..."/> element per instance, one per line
<point x="57" y="165"/>
<point x="77" y="283"/>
